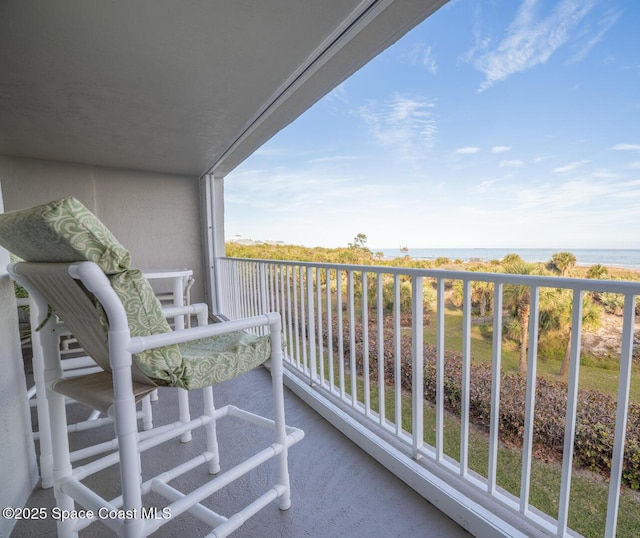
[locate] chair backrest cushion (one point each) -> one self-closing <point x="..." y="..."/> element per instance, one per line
<point x="62" y="231"/>
<point x="65" y="231"/>
<point x="163" y="365"/>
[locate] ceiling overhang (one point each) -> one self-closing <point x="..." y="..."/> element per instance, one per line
<point x="177" y="87"/>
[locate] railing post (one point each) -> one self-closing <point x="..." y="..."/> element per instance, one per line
<point x="352" y="338"/>
<point x="496" y="379"/>
<point x="417" y="368"/>
<point x="466" y="377"/>
<point x="570" y="417"/>
<point x="624" y="382"/>
<point x="530" y="401"/>
<point x="311" y="325"/>
<point x="440" y="370"/>
<point x="381" y="358"/>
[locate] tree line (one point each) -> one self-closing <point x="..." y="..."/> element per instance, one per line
<point x="555" y="304"/>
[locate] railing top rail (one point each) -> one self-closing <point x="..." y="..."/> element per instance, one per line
<point x="576" y="284"/>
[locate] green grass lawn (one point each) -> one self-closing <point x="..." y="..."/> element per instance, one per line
<point x="589" y="492"/>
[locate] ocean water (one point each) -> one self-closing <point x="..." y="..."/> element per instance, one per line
<point x="628" y="259"/>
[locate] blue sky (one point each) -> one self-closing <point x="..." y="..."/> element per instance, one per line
<point x="499" y="123"/>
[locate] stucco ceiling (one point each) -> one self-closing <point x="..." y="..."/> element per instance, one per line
<point x="182" y="87"/>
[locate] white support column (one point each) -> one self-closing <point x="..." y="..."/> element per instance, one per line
<point x="213" y="220"/>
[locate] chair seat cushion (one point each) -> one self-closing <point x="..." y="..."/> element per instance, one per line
<point x="212" y="360"/>
<point x="62" y="231"/>
<point x="192" y="365"/>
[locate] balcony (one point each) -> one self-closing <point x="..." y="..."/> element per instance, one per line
<point x="319" y="302"/>
<point x="397" y="477"/>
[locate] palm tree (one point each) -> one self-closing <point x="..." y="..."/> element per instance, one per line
<point x="562" y="262"/>
<point x="481" y="295"/>
<point x="518" y="299"/>
<point x="560" y="312"/>
<point x="598" y="271"/>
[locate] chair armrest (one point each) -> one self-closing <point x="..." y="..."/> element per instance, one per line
<point x="200" y="310"/>
<point x="141" y="343"/>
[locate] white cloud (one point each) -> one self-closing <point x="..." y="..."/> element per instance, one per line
<point x="421" y="54"/>
<point x="626" y="147"/>
<point x="603" y="173"/>
<point x="605" y="25"/>
<point x="569" y="167"/>
<point x="429" y="61"/>
<point x="468" y="150"/>
<point x="531" y="40"/>
<point x="486" y="185"/>
<point x="516" y="163"/>
<point x="406" y="124"/>
<point x="335" y="158"/>
<point x="500" y="149"/>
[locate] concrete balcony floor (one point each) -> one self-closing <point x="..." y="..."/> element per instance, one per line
<point x="337" y="489"/>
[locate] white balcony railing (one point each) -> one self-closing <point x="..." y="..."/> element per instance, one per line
<point x="321" y="302"/>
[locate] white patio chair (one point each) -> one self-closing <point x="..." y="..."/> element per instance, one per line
<point x="75" y="362"/>
<point x="118" y="320"/>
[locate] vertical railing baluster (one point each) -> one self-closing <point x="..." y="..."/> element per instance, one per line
<point x="252" y="296"/>
<point x="311" y="325"/>
<point x="440" y="369"/>
<point x="530" y="400"/>
<point x="303" y="321"/>
<point x="319" y="273"/>
<point x="381" y="357"/>
<point x="624" y="382"/>
<point x="496" y="378"/>
<point x="340" y="334"/>
<point x="570" y="418"/>
<point x="270" y="291"/>
<point x="296" y="326"/>
<point x="250" y="290"/>
<point x="466" y="377"/>
<point x="265" y="307"/>
<point x="244" y="292"/>
<point x="352" y="338"/>
<point x="365" y="343"/>
<point x="417" y="368"/>
<point x="397" y="311"/>
<point x="286" y="309"/>
<point x="330" y="331"/>
<point x="232" y="310"/>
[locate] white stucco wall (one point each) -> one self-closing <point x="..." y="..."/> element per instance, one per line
<point x="18" y="469"/>
<point x="156" y="216"/>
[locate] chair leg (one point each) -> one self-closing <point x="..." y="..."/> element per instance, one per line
<point x="61" y="460"/>
<point x="185" y="415"/>
<point x="57" y="427"/>
<point x="212" y="436"/>
<point x="147" y="413"/>
<point x="130" y="470"/>
<point x="42" y="405"/>
<point x="278" y="412"/>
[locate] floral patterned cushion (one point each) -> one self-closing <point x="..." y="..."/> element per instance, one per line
<point x="192" y="365"/>
<point x="66" y="231"/>
<point x="219" y="358"/>
<point x="62" y="231"/>
<point x="163" y="365"/>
